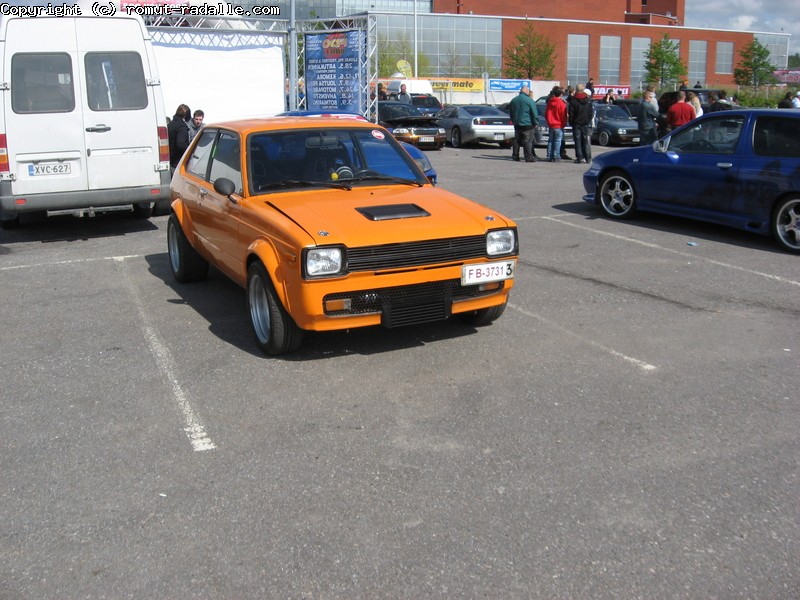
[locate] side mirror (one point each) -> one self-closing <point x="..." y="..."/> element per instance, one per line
<point x="226" y="187"/>
<point x="661" y="145"/>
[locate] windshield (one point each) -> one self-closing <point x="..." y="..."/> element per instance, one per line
<point x="398" y="110"/>
<point x="484" y="111"/>
<point x="612" y="112"/>
<point x="327" y="158"/>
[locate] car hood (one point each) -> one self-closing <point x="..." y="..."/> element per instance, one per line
<point x="415" y="120"/>
<point x="334" y="216"/>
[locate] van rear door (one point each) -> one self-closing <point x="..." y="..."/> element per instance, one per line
<point x="120" y="118"/>
<point x="43" y="115"/>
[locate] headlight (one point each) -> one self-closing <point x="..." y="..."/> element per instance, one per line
<point x="622" y="131"/>
<point x="423" y="163"/>
<point x="322" y="262"/>
<point x="441" y="131"/>
<point x="401" y="130"/>
<point x="500" y="242"/>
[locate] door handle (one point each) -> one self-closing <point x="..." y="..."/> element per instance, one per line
<point x="98" y="129"/>
<point x="725" y="166"/>
<point x="203" y="192"/>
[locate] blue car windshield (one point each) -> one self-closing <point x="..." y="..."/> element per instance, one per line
<point x="327" y="158"/>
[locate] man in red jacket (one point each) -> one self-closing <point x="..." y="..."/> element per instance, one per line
<point x="556" y="116"/>
<point x="680" y="113"/>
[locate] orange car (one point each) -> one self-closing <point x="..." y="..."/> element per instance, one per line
<point x="329" y="224"/>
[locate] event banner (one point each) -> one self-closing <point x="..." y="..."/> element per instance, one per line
<point x="332" y="74"/>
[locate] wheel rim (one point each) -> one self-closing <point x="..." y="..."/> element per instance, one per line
<point x="456" y="138"/>
<point x="603" y="138"/>
<point x="787" y="224"/>
<point x="259" y="308"/>
<point x="616" y="195"/>
<point x="172" y="247"/>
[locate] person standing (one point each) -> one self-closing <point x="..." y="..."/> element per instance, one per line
<point x="580" y="113"/>
<point x="679" y="113"/>
<point x="403" y="96"/>
<point x="524" y="116"/>
<point x="556" y="116"/>
<point x="590" y="88"/>
<point x="648" y="129"/>
<point x="178" y="135"/>
<point x="786" y="101"/>
<point x="195" y="123"/>
<point x="796" y="101"/>
<point x="692" y="99"/>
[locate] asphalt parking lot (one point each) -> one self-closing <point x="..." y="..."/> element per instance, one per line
<point x="627" y="429"/>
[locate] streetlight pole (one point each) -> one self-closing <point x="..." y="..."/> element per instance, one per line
<point x="416" y="66"/>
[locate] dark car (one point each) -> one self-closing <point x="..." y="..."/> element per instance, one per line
<point x="633" y="106"/>
<point x="739" y="168"/>
<point x="426" y="103"/>
<point x="408" y="124"/>
<point x="613" y="125"/>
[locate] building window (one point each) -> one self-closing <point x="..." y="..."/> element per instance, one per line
<point x="698" y="56"/>
<point x="577" y="58"/>
<point x="778" y="46"/>
<point x="609" y="58"/>
<point x="724" y="57"/>
<point x="639" y="49"/>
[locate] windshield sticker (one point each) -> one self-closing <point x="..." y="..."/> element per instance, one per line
<point x="377" y="134"/>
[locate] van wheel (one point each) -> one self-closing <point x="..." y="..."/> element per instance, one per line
<point x="483" y="316"/>
<point x="7" y="222"/>
<point x="187" y="265"/>
<point x="786" y="224"/>
<point x="455" y="138"/>
<point x="276" y="332"/>
<point x="143" y="210"/>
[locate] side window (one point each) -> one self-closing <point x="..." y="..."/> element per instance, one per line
<point x="115" y="81"/>
<point x="777" y="136"/>
<point x="42" y="83"/>
<point x="226" y="160"/>
<point x="714" y="136"/>
<point x="198" y="161"/>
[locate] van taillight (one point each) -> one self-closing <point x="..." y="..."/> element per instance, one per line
<point x="3" y="154"/>
<point x="163" y="145"/>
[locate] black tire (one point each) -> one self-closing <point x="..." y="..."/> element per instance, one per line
<point x="143" y="210"/>
<point x="507" y="144"/>
<point x="483" y="316"/>
<point x="161" y="207"/>
<point x="455" y="138"/>
<point x="276" y="332"/>
<point x="187" y="265"/>
<point x="785" y="224"/>
<point x="9" y="223"/>
<point x="617" y="195"/>
<point x="603" y="138"/>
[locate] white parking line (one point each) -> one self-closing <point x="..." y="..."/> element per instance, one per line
<point x="673" y="251"/>
<point x="194" y="429"/>
<point x="68" y="262"/>
<point x="644" y="366"/>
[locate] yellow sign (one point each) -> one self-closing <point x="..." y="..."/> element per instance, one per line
<point x="405" y="68"/>
<point x="457" y="84"/>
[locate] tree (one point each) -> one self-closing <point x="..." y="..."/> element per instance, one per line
<point x="532" y="57"/>
<point x="754" y="68"/>
<point x="389" y="52"/>
<point x="663" y="66"/>
<point x="480" y="64"/>
<point x="794" y="60"/>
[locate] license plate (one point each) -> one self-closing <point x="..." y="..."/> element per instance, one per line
<point x="426" y="139"/>
<point x="49" y="169"/>
<point x="488" y="272"/>
<point x="635" y="139"/>
<point x="499" y="136"/>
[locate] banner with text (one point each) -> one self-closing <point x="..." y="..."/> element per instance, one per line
<point x="332" y="74"/>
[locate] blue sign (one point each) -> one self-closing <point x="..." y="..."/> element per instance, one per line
<point x="332" y="75"/>
<point x="507" y="85"/>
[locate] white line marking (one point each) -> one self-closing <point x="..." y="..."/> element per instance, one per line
<point x="678" y="252"/>
<point x="635" y="361"/>
<point x="194" y="428"/>
<point x="77" y="261"/>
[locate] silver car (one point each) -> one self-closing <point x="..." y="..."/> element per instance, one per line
<point x="476" y="123"/>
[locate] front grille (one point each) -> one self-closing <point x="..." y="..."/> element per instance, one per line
<point x="414" y="254"/>
<point x="409" y="304"/>
<point x="426" y="130"/>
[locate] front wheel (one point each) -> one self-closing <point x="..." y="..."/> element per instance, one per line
<point x="603" y="138"/>
<point x="187" y="265"/>
<point x="617" y="196"/>
<point x="482" y="316"/>
<point x="276" y="332"/>
<point x="455" y="137"/>
<point x="785" y="224"/>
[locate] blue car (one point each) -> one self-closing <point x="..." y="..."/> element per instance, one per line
<point x="739" y="168"/>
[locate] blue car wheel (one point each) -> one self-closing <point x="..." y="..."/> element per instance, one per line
<point x="617" y="196"/>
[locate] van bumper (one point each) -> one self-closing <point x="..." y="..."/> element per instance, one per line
<point x="12" y="204"/>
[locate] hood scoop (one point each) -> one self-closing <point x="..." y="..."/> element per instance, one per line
<point x="393" y="211"/>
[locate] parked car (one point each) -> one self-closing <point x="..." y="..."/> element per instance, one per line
<point x="427" y="104"/>
<point x="739" y="168"/>
<point x="408" y="124"/>
<point x="475" y="123"/>
<point x="328" y="224"/>
<point x="613" y="125"/>
<point x="633" y="106"/>
<point x="542" y="135"/>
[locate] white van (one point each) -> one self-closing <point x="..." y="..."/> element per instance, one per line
<point x="82" y="124"/>
<point x="413" y="86"/>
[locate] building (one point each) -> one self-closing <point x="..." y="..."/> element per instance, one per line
<point x="604" y="39"/>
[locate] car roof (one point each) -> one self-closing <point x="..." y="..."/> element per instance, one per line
<point x="281" y="123"/>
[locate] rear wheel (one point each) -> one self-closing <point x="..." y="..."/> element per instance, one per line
<point x="785" y="224"/>
<point x="482" y="316"/>
<point x="143" y="210"/>
<point x="455" y="138"/>
<point x="507" y="144"/>
<point x="187" y="265"/>
<point x="7" y="221"/>
<point x="617" y="196"/>
<point x="276" y="332"/>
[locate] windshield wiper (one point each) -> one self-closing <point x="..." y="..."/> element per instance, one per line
<point x="388" y="178"/>
<point x="291" y="183"/>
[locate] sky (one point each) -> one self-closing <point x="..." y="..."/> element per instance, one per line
<point x="771" y="16"/>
